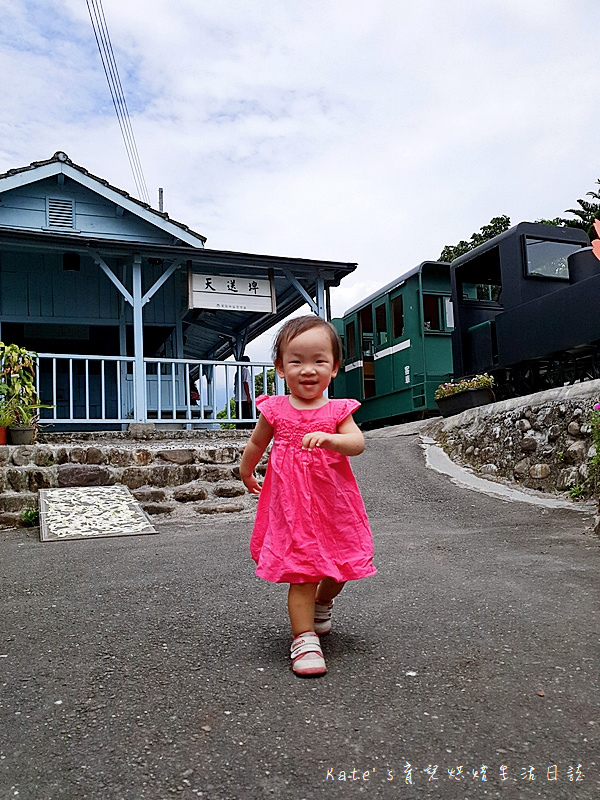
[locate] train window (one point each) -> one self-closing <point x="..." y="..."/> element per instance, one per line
<point x="449" y="311"/>
<point x="431" y="312"/>
<point x="397" y="317"/>
<point x="481" y="291"/>
<point x="548" y="259"/>
<point x="350" y="341"/>
<point x="366" y="330"/>
<point x="488" y="291"/>
<point x="479" y="279"/>
<point x="381" y="324"/>
<point x="366" y="319"/>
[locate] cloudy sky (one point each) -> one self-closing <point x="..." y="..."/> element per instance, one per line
<point x="371" y="131"/>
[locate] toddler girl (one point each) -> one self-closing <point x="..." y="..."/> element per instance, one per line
<point x="311" y="529"/>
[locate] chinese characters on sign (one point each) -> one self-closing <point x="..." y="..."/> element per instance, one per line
<point x="409" y="774"/>
<point x="231" y="293"/>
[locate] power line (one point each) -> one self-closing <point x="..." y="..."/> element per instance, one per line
<point x="112" y="75"/>
<point x="109" y="64"/>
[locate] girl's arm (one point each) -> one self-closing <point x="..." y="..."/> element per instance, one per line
<point x="349" y="440"/>
<point x="259" y="441"/>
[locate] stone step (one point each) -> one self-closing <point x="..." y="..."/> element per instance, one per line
<point x="164" y="474"/>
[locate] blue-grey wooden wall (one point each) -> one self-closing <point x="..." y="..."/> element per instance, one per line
<point x="34" y="286"/>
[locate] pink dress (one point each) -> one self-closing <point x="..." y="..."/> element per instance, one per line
<point x="311" y="521"/>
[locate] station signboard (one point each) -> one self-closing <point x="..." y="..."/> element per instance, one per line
<point x="231" y="293"/>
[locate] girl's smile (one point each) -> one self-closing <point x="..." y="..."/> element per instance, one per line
<point x="308" y="367"/>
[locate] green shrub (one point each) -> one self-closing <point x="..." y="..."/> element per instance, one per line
<point x="577" y="492"/>
<point x="30" y="517"/>
<point x="593" y="421"/>
<point x="222" y="414"/>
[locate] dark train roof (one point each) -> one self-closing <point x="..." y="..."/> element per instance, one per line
<point x="560" y="232"/>
<point x="393" y="285"/>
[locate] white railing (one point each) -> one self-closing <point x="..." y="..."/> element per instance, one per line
<point x="84" y="389"/>
<point x="101" y="390"/>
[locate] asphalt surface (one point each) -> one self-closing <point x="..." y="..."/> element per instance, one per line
<point x="153" y="667"/>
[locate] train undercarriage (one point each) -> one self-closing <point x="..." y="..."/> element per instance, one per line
<point x="559" y="369"/>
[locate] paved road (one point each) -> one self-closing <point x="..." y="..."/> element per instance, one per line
<point x="153" y="667"/>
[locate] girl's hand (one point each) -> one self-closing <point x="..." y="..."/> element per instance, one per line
<point x="348" y="440"/>
<point x="252" y="485"/>
<point x="261" y="436"/>
<point x="318" y="439"/>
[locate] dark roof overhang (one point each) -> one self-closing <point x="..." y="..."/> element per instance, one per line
<point x="207" y="334"/>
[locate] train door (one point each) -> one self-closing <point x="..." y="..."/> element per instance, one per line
<point x="400" y="345"/>
<point x="383" y="367"/>
<point x="438" y="318"/>
<point x="365" y="319"/>
<point x="337" y="387"/>
<point x="352" y="361"/>
<point x="438" y="323"/>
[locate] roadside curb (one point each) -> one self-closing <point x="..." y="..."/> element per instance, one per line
<point x="436" y="459"/>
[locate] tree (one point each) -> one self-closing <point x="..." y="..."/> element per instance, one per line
<point x="561" y="222"/>
<point x="222" y="414"/>
<point x="258" y="382"/>
<point x="586" y="214"/>
<point x="495" y="226"/>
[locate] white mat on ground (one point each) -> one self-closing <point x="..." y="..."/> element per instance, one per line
<point x="86" y="512"/>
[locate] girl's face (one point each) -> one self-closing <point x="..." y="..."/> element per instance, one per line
<point x="307" y="364"/>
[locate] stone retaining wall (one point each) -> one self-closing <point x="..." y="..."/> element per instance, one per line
<point x="195" y="473"/>
<point x="541" y="441"/>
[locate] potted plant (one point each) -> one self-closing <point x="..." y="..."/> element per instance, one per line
<point x="7" y="418"/>
<point x="24" y="427"/>
<point x="452" y="398"/>
<point x="18" y="395"/>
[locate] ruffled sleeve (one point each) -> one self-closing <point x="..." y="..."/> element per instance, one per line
<point x="345" y="408"/>
<point x="265" y="405"/>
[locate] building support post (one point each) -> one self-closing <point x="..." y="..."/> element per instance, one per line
<point x="300" y="289"/>
<point x="318" y="305"/>
<point x="321" y="309"/>
<point x="138" y="341"/>
<point x="239" y="345"/>
<point x="122" y="372"/>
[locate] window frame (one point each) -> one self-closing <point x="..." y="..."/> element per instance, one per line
<point x="536" y="275"/>
<point x="442" y="303"/>
<point x="350" y="340"/>
<point x="379" y="344"/>
<point x="402" y="334"/>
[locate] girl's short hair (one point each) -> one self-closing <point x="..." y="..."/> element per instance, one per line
<point x="294" y="327"/>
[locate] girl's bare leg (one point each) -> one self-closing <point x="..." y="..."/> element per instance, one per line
<point x="327" y="590"/>
<point x="301" y="607"/>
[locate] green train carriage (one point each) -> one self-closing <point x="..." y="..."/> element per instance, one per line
<point x="398" y="347"/>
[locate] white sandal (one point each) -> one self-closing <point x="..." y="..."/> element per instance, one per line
<point x="307" y="656"/>
<point x="323" y="618"/>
